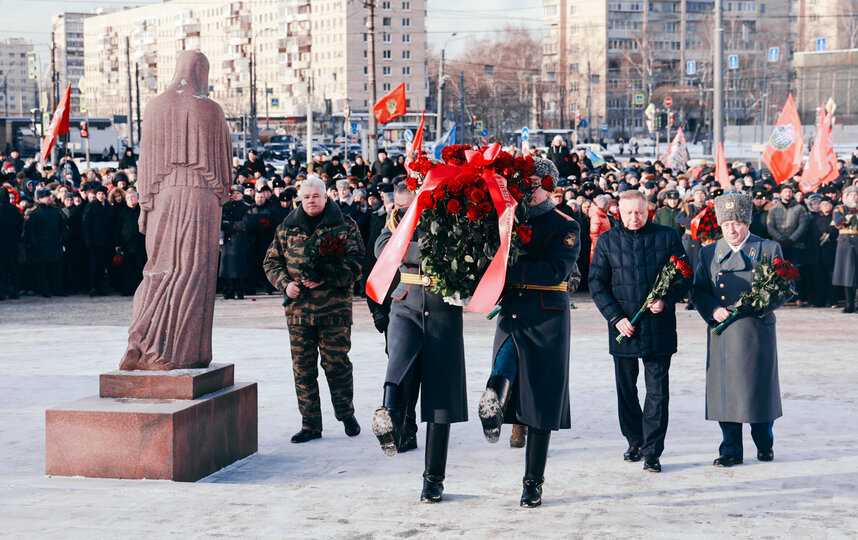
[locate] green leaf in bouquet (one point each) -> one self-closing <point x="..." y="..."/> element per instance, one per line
<point x="434" y="227"/>
<point x="454" y="264"/>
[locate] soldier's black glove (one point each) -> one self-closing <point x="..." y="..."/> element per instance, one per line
<point x="381" y="321"/>
<point x="786" y="242"/>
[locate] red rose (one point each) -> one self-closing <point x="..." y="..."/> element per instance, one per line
<point x="476" y="195"/>
<point x="265" y="223"/>
<point x="426" y="200"/>
<point x="674" y="259"/>
<point x="686" y="272"/>
<point x="523" y="232"/>
<point x="411" y="183"/>
<point x="486" y="207"/>
<point x="456" y="187"/>
<point x="454" y="206"/>
<point x="793" y="273"/>
<point x="778" y="261"/>
<point x="547" y="183"/>
<point x="515" y="191"/>
<point x="474" y="213"/>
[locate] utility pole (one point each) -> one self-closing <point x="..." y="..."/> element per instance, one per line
<point x="563" y="64"/>
<point x="589" y="105"/>
<point x="128" y="75"/>
<point x="370" y="38"/>
<point x="462" y="103"/>
<point x="718" y="78"/>
<point x="54" y="92"/>
<point x="254" y="127"/>
<point x="439" y="121"/>
<point x="763" y="101"/>
<point x="137" y="88"/>
<point x="309" y="155"/>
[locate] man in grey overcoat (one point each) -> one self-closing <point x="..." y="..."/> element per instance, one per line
<point x="742" y="362"/>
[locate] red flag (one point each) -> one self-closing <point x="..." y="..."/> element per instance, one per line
<point x="721" y="169"/>
<point x="391" y="106"/>
<point x="416" y="149"/>
<point x="59" y="124"/>
<point x="783" y="153"/>
<point x="822" y="161"/>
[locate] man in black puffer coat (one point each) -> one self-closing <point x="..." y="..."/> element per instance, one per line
<point x="627" y="260"/>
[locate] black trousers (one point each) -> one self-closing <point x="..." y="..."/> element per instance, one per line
<point x="8" y="273"/>
<point x="644" y="428"/>
<point x="731" y="445"/>
<point x="100" y="259"/>
<point x="49" y="277"/>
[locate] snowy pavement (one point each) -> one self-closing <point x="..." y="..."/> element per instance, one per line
<point x="53" y="351"/>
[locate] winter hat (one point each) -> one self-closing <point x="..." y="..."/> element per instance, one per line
<point x="546" y="167"/>
<point x="558" y="138"/>
<point x="849" y="190"/>
<point x="699" y="187"/>
<point x="343" y="184"/>
<point x="43" y="192"/>
<point x="734" y="207"/>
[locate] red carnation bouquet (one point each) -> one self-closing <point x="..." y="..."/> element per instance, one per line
<point x="704" y="226"/>
<point x="670" y="276"/>
<point x="773" y="283"/>
<point x="459" y="225"/>
<point x="323" y="259"/>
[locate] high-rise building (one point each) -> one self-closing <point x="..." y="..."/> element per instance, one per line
<point x="18" y="92"/>
<point x="301" y="51"/>
<point x="68" y="53"/>
<point x="605" y="60"/>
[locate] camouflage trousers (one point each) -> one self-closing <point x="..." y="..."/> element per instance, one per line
<point x="333" y="342"/>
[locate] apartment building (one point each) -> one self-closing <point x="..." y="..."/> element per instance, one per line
<point x="607" y="59"/>
<point x="18" y="93"/>
<point x="301" y="51"/>
<point x="68" y="53"/>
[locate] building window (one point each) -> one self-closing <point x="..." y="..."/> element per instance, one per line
<point x="385" y="87"/>
<point x="406" y="6"/>
<point x="573" y="68"/>
<point x="574" y="29"/>
<point x="385" y="5"/>
<point x="385" y="70"/>
<point x="407" y="87"/>
<point x="385" y="37"/>
<point x="406" y="38"/>
<point x="406" y="21"/>
<point x="595" y="78"/>
<point x="385" y="21"/>
<point x="385" y="54"/>
<point x="406" y="54"/>
<point x="406" y="70"/>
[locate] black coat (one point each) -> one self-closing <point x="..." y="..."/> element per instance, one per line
<point x="129" y="237"/>
<point x="45" y="233"/>
<point x="425" y="335"/>
<point x="96" y="225"/>
<point x="559" y="155"/>
<point x="11" y="225"/>
<point x="73" y="219"/>
<point x="382" y="169"/>
<point x="624" y="268"/>
<point x="237" y="225"/>
<point x="538" y="323"/>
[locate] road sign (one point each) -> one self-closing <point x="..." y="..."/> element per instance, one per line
<point x="691" y="67"/>
<point x="347" y="111"/>
<point x="355" y="128"/>
<point x="275" y="102"/>
<point x="485" y="141"/>
<point x="668" y="101"/>
<point x="525" y="134"/>
<point x="81" y="85"/>
<point x="733" y="61"/>
<point x="649" y="112"/>
<point x="820" y="44"/>
<point x="31" y="67"/>
<point x="774" y="54"/>
<point x="583" y="123"/>
<point x="604" y="127"/>
<point x="478" y="125"/>
<point x="44" y="100"/>
<point x="82" y="103"/>
<point x="484" y="133"/>
<point x="408" y="135"/>
<point x="639" y="99"/>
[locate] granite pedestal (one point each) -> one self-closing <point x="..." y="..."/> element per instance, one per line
<point x="178" y="425"/>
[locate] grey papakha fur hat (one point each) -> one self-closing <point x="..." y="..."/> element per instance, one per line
<point x="734" y="207"/>
<point x="546" y="167"/>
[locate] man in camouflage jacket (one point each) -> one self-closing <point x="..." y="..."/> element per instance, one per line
<point x="319" y="314"/>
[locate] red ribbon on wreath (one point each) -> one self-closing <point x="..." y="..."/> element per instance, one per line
<point x="491" y="283"/>
<point x="695" y="222"/>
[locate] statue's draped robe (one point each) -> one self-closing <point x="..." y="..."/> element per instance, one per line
<point x="184" y="175"/>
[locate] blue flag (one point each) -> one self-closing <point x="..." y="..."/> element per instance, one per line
<point x="595" y="158"/>
<point x="445" y="141"/>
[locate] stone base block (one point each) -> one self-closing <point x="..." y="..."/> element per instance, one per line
<point x="173" y="384"/>
<point x="170" y="439"/>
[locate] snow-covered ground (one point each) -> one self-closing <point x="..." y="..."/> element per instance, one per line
<point x="337" y="487"/>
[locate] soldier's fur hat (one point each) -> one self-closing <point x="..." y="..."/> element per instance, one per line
<point x="343" y="184"/>
<point x="734" y="207"/>
<point x="849" y="190"/>
<point x="546" y="167"/>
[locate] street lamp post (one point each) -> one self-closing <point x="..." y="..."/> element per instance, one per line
<point x="439" y="120"/>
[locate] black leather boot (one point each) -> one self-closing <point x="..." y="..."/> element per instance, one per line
<point x="536" y="455"/>
<point x="850" y="299"/>
<point x="387" y="420"/>
<point x="437" y="439"/>
<point x="492" y="406"/>
<point x="408" y="435"/>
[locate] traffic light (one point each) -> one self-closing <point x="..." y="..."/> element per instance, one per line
<point x="672" y="119"/>
<point x="577" y="119"/>
<point x="84" y="132"/>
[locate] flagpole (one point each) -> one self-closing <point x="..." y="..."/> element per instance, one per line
<point x="718" y="87"/>
<point x="373" y="129"/>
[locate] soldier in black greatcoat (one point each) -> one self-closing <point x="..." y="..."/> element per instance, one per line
<point x="426" y="347"/>
<point x="131" y="242"/>
<point x="237" y="225"/>
<point x="73" y="264"/>
<point x="98" y="238"/>
<point x="846" y="257"/>
<point x="11" y="229"/>
<point x="45" y="235"/>
<point x="531" y="349"/>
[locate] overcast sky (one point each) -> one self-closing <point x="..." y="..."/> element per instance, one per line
<point x="31" y="19"/>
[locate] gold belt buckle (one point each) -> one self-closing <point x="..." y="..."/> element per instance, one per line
<point x="426" y="280"/>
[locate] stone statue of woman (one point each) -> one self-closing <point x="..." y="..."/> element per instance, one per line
<point x="184" y="174"/>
